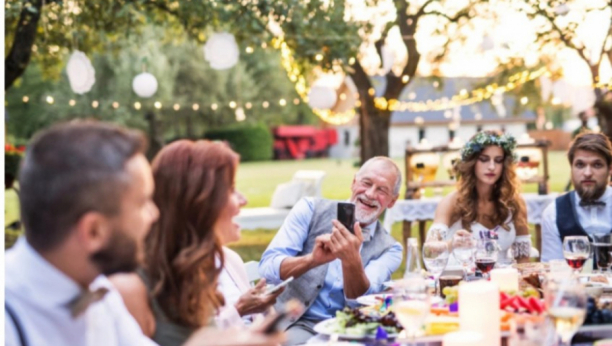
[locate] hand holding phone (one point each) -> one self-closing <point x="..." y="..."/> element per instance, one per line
<point x="278" y="287"/>
<point x="346" y="215"/>
<point x="279" y="321"/>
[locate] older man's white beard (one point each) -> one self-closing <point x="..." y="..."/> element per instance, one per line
<point x="364" y="217"/>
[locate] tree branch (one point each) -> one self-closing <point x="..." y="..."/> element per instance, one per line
<point x="19" y="56"/>
<point x="454" y="19"/>
<point x="566" y="40"/>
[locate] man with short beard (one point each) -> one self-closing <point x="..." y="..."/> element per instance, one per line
<point x="331" y="266"/>
<point x="86" y="204"/>
<point x="588" y="209"/>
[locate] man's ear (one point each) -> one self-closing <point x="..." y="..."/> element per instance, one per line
<point x="93" y="231"/>
<point x="393" y="202"/>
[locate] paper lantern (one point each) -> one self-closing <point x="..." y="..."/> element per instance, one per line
<point x="562" y="10"/>
<point x="221" y="51"/>
<point x="81" y="73"/>
<point x="144" y="85"/>
<point x="487" y="43"/>
<point x="388" y="58"/>
<point x="322" y="97"/>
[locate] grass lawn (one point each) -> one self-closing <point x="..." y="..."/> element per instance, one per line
<point x="257" y="180"/>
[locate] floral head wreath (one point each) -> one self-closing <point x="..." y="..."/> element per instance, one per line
<point x="483" y="139"/>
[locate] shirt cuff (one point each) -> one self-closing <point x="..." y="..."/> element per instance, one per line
<point x="352" y="303"/>
<point x="276" y="265"/>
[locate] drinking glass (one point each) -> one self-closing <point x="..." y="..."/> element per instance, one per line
<point x="505" y="258"/>
<point x="463" y="249"/>
<point x="566" y="303"/>
<point x="576" y="250"/>
<point x="411" y="305"/>
<point x="435" y="258"/>
<point x="486" y="255"/>
<point x="602" y="246"/>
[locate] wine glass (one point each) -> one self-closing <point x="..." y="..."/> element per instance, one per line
<point x="463" y="249"/>
<point x="435" y="258"/>
<point x="566" y="303"/>
<point x="602" y="246"/>
<point x="486" y="255"/>
<point x="505" y="258"/>
<point x="576" y="250"/>
<point x="411" y="305"/>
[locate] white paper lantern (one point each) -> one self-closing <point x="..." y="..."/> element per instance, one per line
<point x="221" y="51"/>
<point x="322" y="97"/>
<point x="144" y="85"/>
<point x="487" y="43"/>
<point x="388" y="58"/>
<point x="562" y="10"/>
<point x="81" y="73"/>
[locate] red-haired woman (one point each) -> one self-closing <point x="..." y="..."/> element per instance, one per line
<point x="176" y="291"/>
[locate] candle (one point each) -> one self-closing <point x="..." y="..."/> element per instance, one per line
<point x="462" y="338"/>
<point x="506" y="278"/>
<point x="479" y="311"/>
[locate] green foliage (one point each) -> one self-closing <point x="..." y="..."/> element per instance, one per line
<point x="252" y="142"/>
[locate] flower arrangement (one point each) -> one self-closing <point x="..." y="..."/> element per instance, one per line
<point x="484" y="139"/>
<point x="12" y="158"/>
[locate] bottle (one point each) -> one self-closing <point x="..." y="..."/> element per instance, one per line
<point x="413" y="260"/>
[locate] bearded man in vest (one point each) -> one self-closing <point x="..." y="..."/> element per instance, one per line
<point x="331" y="266"/>
<point x="587" y="210"/>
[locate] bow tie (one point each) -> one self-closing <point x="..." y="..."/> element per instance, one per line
<point x="592" y="203"/>
<point x="79" y="304"/>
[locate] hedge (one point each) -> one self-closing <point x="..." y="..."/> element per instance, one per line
<point x="252" y="142"/>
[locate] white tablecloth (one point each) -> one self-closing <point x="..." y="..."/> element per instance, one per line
<point x="425" y="209"/>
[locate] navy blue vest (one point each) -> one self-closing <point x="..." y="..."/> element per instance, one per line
<point x="567" y="218"/>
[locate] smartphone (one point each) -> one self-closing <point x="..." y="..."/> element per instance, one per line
<point x="276" y="288"/>
<point x="346" y="215"/>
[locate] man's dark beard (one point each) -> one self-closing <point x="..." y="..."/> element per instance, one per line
<point x="118" y="256"/>
<point x="590" y="194"/>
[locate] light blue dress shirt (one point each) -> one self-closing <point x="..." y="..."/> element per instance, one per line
<point x="290" y="240"/>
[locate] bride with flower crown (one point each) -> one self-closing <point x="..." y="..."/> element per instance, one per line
<point x="487" y="202"/>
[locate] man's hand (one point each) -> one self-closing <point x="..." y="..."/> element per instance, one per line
<point x="256" y="300"/>
<point x="322" y="253"/>
<point x="344" y="244"/>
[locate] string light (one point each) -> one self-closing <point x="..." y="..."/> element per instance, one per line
<point x="115" y="104"/>
<point x="555" y="101"/>
<point x="72" y="103"/>
<point x="405" y="79"/>
<point x="265" y="104"/>
<point x="137" y="105"/>
<point x="249" y="50"/>
<point x="25" y="99"/>
<point x="50" y="100"/>
<point x="95" y="104"/>
<point x="232" y="104"/>
<point x="157" y="105"/>
<point x="214" y="106"/>
<point x="282" y="102"/>
<point x="319" y="57"/>
<point x="343" y="96"/>
<point x="524" y="100"/>
<point x="296" y="101"/>
<point x="248" y="105"/>
<point x="195" y="106"/>
<point x="176" y="107"/>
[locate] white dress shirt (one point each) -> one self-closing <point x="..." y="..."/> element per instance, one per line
<point x="593" y="219"/>
<point x="39" y="295"/>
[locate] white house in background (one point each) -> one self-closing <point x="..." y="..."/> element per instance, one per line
<point x="504" y="113"/>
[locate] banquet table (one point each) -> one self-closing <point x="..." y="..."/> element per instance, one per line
<point x="423" y="209"/>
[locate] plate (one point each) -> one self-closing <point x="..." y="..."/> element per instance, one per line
<point x="392" y="283"/>
<point x="373" y="299"/>
<point x="328" y="326"/>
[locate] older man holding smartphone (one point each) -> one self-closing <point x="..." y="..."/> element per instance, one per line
<point x="331" y="265"/>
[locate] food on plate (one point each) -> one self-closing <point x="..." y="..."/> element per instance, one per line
<point x="360" y="322"/>
<point x="597" y="314"/>
<point x="516" y="303"/>
<point x="436" y="325"/>
<point x="599" y="278"/>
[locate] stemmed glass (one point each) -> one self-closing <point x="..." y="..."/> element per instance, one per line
<point x="486" y="255"/>
<point x="463" y="249"/>
<point x="602" y="246"/>
<point x="411" y="305"/>
<point x="576" y="250"/>
<point x="566" y="303"/>
<point x="435" y="257"/>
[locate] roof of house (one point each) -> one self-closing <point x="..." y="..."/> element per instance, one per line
<point x="423" y="89"/>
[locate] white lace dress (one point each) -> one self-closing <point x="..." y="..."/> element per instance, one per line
<point x="506" y="239"/>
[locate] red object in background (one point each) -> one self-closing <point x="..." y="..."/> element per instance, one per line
<point x="298" y="142"/>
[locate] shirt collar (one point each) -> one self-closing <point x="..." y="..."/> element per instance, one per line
<point x="605" y="197"/>
<point x="368" y="231"/>
<point x="38" y="280"/>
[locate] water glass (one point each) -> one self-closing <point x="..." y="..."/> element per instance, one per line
<point x="463" y="250"/>
<point x="411" y="305"/>
<point x="435" y="258"/>
<point x="566" y="303"/>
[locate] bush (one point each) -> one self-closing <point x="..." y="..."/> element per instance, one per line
<point x="252" y="142"/>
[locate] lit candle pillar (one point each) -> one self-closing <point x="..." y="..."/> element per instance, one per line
<point x="463" y="338"/>
<point x="507" y="279"/>
<point x="479" y="311"/>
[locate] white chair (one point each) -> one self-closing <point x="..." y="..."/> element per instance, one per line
<point x="252" y="270"/>
<point x="305" y="183"/>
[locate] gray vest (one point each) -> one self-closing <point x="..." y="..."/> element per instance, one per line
<point x="306" y="288"/>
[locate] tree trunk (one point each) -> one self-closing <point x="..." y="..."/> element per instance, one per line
<point x="18" y="58"/>
<point x="374" y="131"/>
<point x="155" y="140"/>
<point x="602" y="105"/>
